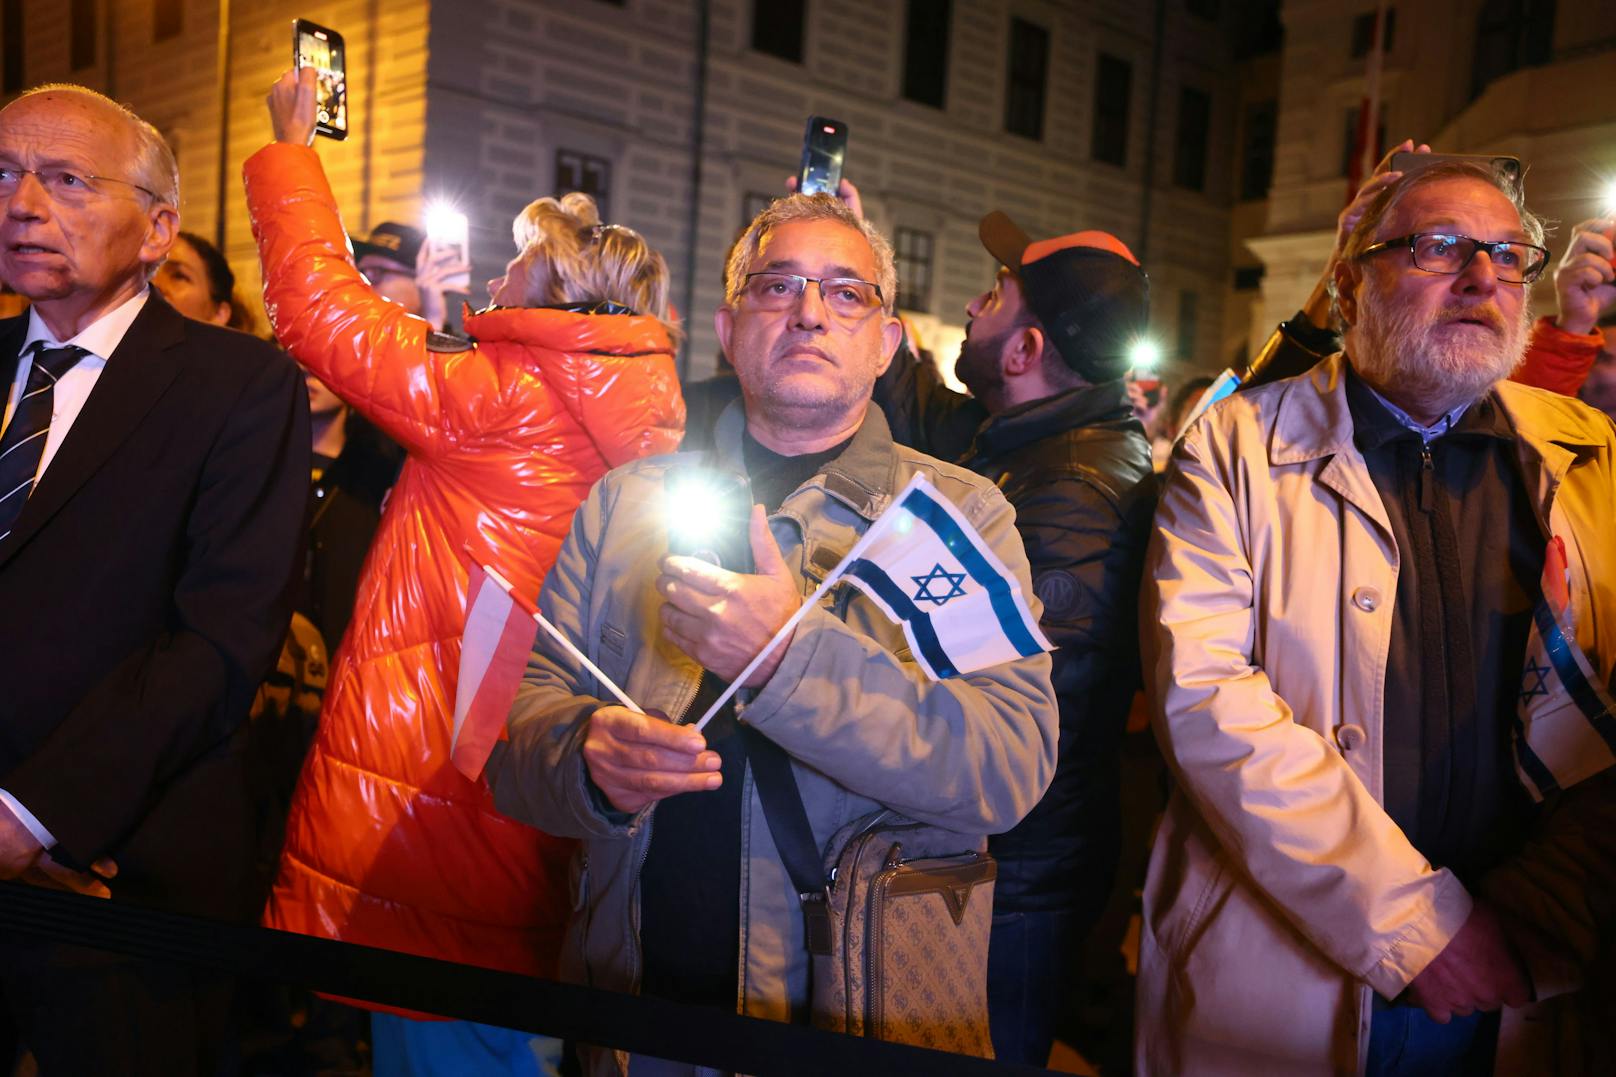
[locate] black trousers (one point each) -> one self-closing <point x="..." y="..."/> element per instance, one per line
<point x="83" y="1011"/>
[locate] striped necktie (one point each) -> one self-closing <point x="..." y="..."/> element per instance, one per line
<point x="23" y="442"/>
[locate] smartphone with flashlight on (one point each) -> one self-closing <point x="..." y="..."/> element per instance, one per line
<point x="322" y="49"/>
<point x="824" y="146"/>
<point x="448" y="241"/>
<point x="708" y="515"/>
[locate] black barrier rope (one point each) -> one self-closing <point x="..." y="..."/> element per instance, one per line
<point x="649" y="1026"/>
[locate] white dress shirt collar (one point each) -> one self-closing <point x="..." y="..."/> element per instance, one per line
<point x="102" y="336"/>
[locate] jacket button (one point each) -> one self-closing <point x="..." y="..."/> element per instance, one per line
<point x="1366" y="599"/>
<point x="1350" y="737"/>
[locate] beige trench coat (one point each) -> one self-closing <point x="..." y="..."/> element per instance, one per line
<point x="1280" y="893"/>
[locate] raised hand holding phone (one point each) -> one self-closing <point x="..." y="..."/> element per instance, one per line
<point x="1585" y="280"/>
<point x="291" y="107"/>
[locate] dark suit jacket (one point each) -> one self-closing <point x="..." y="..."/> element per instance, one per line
<point x="144" y="593"/>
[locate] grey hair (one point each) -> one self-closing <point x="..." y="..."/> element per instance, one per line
<point x="1363" y="235"/>
<point x="808" y="207"/>
<point x="155" y="165"/>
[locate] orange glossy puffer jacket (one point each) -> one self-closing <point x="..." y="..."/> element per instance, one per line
<point x="387" y="844"/>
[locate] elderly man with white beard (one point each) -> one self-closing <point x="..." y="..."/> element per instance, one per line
<point x="1378" y="623"/>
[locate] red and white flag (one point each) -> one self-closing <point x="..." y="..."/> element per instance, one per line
<point x="493" y="653"/>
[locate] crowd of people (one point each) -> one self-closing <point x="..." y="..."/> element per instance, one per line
<point x="1365" y="602"/>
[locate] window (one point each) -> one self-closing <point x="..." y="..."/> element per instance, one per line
<point x="912" y="253"/>
<point x="753" y="203"/>
<point x="1257" y="149"/>
<point x="581" y="172"/>
<point x="1194" y="129"/>
<point x="11" y="80"/>
<point x="1349" y="143"/>
<point x="1187" y="302"/>
<point x="1029" y="64"/>
<point x="925" y="51"/>
<point x="1363" y="32"/>
<point x="1113" y="82"/>
<point x="168" y="18"/>
<point x="1248" y="278"/>
<point x="777" y="28"/>
<point x="81" y="34"/>
<point x="1511" y="34"/>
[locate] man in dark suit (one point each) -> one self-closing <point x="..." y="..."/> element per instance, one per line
<point x="153" y="477"/>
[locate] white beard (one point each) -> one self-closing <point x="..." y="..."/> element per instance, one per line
<point x="1425" y="368"/>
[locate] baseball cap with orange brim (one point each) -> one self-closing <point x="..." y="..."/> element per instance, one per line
<point x="1086" y="289"/>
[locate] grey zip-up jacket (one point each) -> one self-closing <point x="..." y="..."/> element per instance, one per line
<point x="865" y="727"/>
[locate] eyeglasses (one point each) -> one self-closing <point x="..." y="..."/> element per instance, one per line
<point x="847" y="298"/>
<point x="64" y="186"/>
<point x="1444" y="252"/>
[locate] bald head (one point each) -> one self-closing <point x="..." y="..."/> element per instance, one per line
<point x="89" y="197"/>
<point x="152" y="163"/>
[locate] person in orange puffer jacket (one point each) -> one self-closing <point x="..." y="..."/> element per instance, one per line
<point x="571" y="374"/>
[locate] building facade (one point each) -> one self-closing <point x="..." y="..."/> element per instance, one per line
<point x="685" y="116"/>
<point x="1531" y="78"/>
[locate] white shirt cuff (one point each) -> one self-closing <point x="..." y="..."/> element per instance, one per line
<point x="26" y="818"/>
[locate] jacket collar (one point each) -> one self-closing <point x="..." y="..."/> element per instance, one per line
<point x="1038" y="419"/>
<point x="138" y="372"/>
<point x="1313" y="420"/>
<point x="863" y="477"/>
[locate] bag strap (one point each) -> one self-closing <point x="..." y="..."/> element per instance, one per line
<point x="783" y="808"/>
<point x="793" y="836"/>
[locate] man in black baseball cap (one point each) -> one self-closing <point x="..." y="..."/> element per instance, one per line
<point x="1081" y="296"/>
<point x="1045" y="353"/>
<point x="388" y="261"/>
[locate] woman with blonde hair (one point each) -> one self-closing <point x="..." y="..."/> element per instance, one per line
<point x="569" y="372"/>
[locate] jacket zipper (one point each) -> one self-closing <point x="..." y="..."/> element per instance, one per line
<point x="1427" y="479"/>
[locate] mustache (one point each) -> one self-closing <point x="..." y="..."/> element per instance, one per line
<point x="800" y="344"/>
<point x="1486" y="313"/>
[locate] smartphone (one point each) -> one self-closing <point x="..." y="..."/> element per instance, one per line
<point x="322" y="49"/>
<point x="824" y="145"/>
<point x="448" y="237"/>
<point x="1408" y="163"/>
<point x="708" y="515"/>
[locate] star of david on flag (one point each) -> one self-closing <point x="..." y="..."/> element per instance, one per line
<point x="961" y="610"/>
<point x="948" y="581"/>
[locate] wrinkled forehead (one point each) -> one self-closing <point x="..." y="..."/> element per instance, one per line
<point x="821" y="248"/>
<point x="1468" y="205"/>
<point x="61" y="125"/>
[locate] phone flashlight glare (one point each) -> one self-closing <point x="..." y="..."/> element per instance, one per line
<point x="443" y="221"/>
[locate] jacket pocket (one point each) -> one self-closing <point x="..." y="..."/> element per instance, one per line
<point x="613" y="658"/>
<point x="1192" y="881"/>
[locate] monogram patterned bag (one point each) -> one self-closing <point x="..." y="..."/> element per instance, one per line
<point x="898" y="916"/>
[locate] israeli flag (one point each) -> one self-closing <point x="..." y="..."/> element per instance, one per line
<point x="931" y="573"/>
<point x="1565" y="721"/>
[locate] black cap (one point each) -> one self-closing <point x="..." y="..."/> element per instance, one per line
<point x="395" y="242"/>
<point x="1086" y="289"/>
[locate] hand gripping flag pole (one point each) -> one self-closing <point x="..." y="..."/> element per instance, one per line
<point x="494" y="651"/>
<point x="927" y="569"/>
